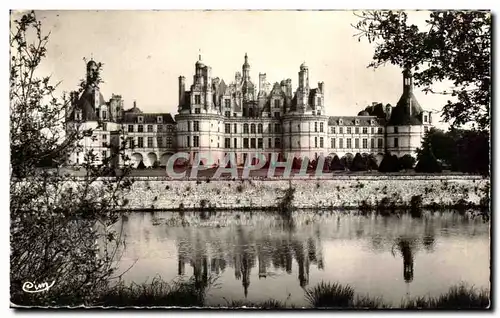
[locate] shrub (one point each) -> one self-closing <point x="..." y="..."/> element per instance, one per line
<point x="330" y="295"/>
<point x="359" y="163"/>
<point x="389" y="163"/>
<point x="141" y="165"/>
<point x="336" y="164"/>
<point x="407" y="162"/>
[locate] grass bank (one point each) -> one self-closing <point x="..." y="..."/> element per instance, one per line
<point x="324" y="295"/>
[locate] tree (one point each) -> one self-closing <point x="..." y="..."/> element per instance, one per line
<point x="56" y="218"/>
<point x="346" y="161"/>
<point x="359" y="163"/>
<point x="427" y="162"/>
<point x="390" y="163"/>
<point x="372" y="162"/>
<point x="454" y="46"/>
<point x="336" y="165"/>
<point x="407" y="162"/>
<point x="141" y="165"/>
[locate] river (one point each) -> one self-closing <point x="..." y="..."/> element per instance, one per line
<point x="256" y="257"/>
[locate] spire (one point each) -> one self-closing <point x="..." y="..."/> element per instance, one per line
<point x="246" y="58"/>
<point x="199" y="54"/>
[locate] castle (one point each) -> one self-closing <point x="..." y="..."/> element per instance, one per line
<point x="215" y="118"/>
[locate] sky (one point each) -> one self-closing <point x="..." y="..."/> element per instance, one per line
<point x="144" y="53"/>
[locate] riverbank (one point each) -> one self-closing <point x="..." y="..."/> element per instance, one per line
<point x="342" y="192"/>
<point x="324" y="295"/>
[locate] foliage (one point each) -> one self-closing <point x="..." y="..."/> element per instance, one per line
<point x="346" y="160"/>
<point x="457" y="297"/>
<point x="390" y="163"/>
<point x="336" y="164"/>
<point x="454" y="46"/>
<point x="141" y="165"/>
<point x="330" y="295"/>
<point x="371" y="162"/>
<point x="407" y="162"/>
<point x="56" y="219"/>
<point x="359" y="163"/>
<point x="427" y="161"/>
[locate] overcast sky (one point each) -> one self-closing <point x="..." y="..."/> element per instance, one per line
<point x="145" y="52"/>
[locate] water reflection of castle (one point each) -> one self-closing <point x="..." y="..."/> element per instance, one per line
<point x="245" y="252"/>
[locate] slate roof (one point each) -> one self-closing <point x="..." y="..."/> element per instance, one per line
<point x="351" y="120"/>
<point x="148" y="118"/>
<point x="407" y="111"/>
<point x="86" y="104"/>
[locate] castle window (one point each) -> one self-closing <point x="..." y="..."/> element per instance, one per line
<point x="349" y="144"/>
<point x="276" y="103"/>
<point x="159" y="128"/>
<point x="227" y="129"/>
<point x="251" y="112"/>
<point x="356" y="130"/>
<point x="227" y="102"/>
<point x="373" y="143"/>
<point x="365" y="130"/>
<point x="380" y="143"/>
<point x="341" y="143"/>
<point x="321" y="144"/>
<point x="269" y="143"/>
<point x="104" y="114"/>
<point x="298" y="127"/>
<point x="140" y="128"/>
<point x="277" y="143"/>
<point x="259" y="143"/>
<point x="341" y="130"/>
<point x="425" y="118"/>
<point x="341" y="121"/>
<point x="159" y="119"/>
<point x="365" y="143"/>
<point x="131" y="143"/>
<point x="140" y="142"/>
<point x="252" y="128"/>
<point x="315" y="142"/>
<point x="104" y="154"/>
<point x="150" y="128"/>
<point x="170" y="128"/>
<point x="140" y="119"/>
<point x="245" y="143"/>
<point x="356" y="143"/>
<point x="259" y="128"/>
<point x="319" y="101"/>
<point x="277" y="115"/>
<point x="196" y="126"/>
<point x="197" y="99"/>
<point x="235" y="128"/>
<point x="104" y="137"/>
<point x="196" y="141"/>
<point x="356" y="121"/>
<point x="380" y="130"/>
<point x="169" y="142"/>
<point x="159" y="142"/>
<point x="373" y="130"/>
<point x="396" y="130"/>
<point x="188" y="139"/>
<point x="333" y="130"/>
<point x="245" y="112"/>
<point x="319" y="112"/>
<point x="426" y="128"/>
<point x="320" y="127"/>
<point x="104" y="126"/>
<point x="372" y="122"/>
<point x="234" y="114"/>
<point x="277" y="128"/>
<point x="227" y="114"/>
<point x="197" y="111"/>
<point x="150" y="142"/>
<point x="396" y="142"/>
<point x="245" y="128"/>
<point x="332" y="143"/>
<point x="227" y="142"/>
<point x="314" y="112"/>
<point x="315" y="127"/>
<point x="189" y="126"/>
<point x="349" y="131"/>
<point x="78" y="115"/>
<point x="235" y="142"/>
<point x="252" y="143"/>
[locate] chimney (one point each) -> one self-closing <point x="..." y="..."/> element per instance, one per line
<point x="262" y="81"/>
<point x="388" y="111"/>
<point x="289" y="87"/>
<point x="321" y="86"/>
<point x="182" y="90"/>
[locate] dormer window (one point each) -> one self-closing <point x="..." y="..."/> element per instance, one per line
<point x="319" y="101"/>
<point x="104" y="114"/>
<point x="140" y="119"/>
<point x="78" y="114"/>
<point x="197" y="99"/>
<point x="356" y="121"/>
<point x="197" y="111"/>
<point x="372" y="122"/>
<point x="341" y="122"/>
<point x="276" y="103"/>
<point x="159" y="119"/>
<point x="425" y="118"/>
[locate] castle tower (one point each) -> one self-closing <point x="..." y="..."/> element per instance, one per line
<point x="246" y="69"/>
<point x="182" y="90"/>
<point x="303" y="90"/>
<point x="92" y="71"/>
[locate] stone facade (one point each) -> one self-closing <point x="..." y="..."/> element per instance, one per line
<point x="215" y="118"/>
